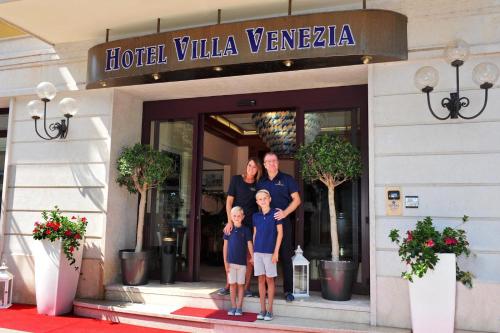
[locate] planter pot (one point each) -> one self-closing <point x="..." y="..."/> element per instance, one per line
<point x="336" y="279"/>
<point x="135" y="267"/>
<point x="55" y="280"/>
<point x="432" y="297"/>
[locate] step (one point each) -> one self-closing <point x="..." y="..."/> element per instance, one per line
<point x="204" y="295"/>
<point x="159" y="316"/>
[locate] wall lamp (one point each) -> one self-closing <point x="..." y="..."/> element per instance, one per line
<point x="67" y="106"/>
<point x="484" y="74"/>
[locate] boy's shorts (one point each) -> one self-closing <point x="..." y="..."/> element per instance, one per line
<point x="262" y="264"/>
<point x="236" y="274"/>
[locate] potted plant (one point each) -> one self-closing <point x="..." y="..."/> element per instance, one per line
<point x="140" y="168"/>
<point x="432" y="270"/>
<point x="58" y="258"/>
<point x="333" y="161"/>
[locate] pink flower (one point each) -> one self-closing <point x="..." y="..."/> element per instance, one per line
<point x="450" y="241"/>
<point x="429" y="243"/>
<point x="37" y="224"/>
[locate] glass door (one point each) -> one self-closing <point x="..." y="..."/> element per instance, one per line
<point x="317" y="241"/>
<point x="172" y="204"/>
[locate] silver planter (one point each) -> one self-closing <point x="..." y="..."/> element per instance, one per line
<point x="336" y="279"/>
<point x="135" y="267"/>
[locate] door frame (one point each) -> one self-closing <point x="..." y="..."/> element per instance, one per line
<point x="301" y="101"/>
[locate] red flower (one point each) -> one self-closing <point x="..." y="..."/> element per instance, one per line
<point x="450" y="241"/>
<point x="37" y="224"/>
<point x="84" y="219"/>
<point x="35" y="230"/>
<point x="47" y="232"/>
<point x="409" y="236"/>
<point x="71" y="249"/>
<point x="68" y="233"/>
<point x="56" y="226"/>
<point x="73" y="217"/>
<point x="429" y="243"/>
<point x="77" y="236"/>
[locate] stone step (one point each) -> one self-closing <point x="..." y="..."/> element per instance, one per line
<point x="203" y="295"/>
<point x="159" y="316"/>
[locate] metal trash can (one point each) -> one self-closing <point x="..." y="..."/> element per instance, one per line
<point x="168" y="254"/>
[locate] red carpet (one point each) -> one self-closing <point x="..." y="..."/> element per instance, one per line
<point x="214" y="314"/>
<point x="25" y="318"/>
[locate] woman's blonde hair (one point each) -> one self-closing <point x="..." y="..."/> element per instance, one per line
<point x="259" y="168"/>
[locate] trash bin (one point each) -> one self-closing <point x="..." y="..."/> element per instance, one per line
<point x="168" y="253"/>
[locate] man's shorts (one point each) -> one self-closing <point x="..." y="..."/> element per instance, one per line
<point x="236" y="274"/>
<point x="263" y="265"/>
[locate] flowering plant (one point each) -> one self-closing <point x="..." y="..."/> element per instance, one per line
<point x="56" y="226"/>
<point x="420" y="247"/>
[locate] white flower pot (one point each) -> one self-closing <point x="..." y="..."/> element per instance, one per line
<point x="55" y="280"/>
<point x="432" y="297"/>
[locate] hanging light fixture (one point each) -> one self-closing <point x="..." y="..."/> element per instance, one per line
<point x="484" y="74"/>
<point x="278" y="131"/>
<point x="67" y="106"/>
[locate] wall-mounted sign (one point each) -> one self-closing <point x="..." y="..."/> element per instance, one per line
<point x="411" y="201"/>
<point x="309" y="41"/>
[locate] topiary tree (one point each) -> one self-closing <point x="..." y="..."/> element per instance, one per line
<point x="141" y="168"/>
<point x="333" y="161"/>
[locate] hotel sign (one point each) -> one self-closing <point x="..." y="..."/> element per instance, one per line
<point x="310" y="41"/>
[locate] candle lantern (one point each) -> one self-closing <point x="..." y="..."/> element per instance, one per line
<point x="300" y="274"/>
<point x="6" y="281"/>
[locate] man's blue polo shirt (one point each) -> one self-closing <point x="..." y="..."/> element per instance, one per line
<point x="237" y="245"/>
<point x="266" y="231"/>
<point x="280" y="187"/>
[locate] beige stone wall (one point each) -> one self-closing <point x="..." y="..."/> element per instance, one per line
<point x="451" y="165"/>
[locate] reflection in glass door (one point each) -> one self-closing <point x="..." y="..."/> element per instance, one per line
<point x="170" y="209"/>
<point x="317" y="239"/>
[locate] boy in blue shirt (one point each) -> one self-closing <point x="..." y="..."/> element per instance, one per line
<point x="235" y="248"/>
<point x="267" y="236"/>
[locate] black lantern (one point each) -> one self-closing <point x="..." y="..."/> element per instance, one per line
<point x="67" y="106"/>
<point x="484" y="74"/>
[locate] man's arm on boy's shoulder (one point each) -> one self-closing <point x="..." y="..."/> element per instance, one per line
<point x="281" y="214"/>
<point x="279" y="228"/>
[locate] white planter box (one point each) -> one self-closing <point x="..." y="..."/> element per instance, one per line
<point x="432" y="297"/>
<point x="55" y="280"/>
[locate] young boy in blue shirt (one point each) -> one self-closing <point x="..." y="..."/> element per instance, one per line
<point x="235" y="249"/>
<point x="267" y="236"/>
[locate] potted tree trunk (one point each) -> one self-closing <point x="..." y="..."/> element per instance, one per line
<point x="333" y="161"/>
<point x="140" y="168"/>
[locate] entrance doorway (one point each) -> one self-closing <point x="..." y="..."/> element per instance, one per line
<point x="220" y="134"/>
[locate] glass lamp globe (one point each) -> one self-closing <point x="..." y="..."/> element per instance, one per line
<point x="485" y="72"/>
<point x="35" y="108"/>
<point x="46" y="90"/>
<point x="457" y="50"/>
<point x="426" y="77"/>
<point x="68" y="106"/>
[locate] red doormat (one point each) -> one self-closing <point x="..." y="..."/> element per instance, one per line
<point x="25" y="318"/>
<point x="214" y="314"/>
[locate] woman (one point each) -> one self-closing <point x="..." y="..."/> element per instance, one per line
<point x="241" y="193"/>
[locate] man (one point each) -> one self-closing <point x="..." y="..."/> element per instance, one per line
<point x="285" y="196"/>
